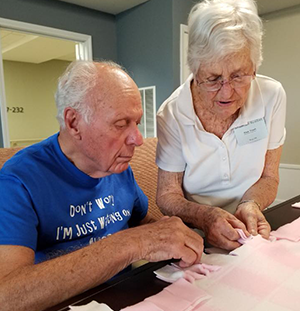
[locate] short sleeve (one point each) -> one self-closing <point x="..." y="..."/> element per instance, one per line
<point x="140" y="207"/>
<point x="277" y="129"/>
<point x="18" y="220"/>
<point x="169" y="156"/>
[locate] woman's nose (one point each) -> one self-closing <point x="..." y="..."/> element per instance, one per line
<point x="226" y="88"/>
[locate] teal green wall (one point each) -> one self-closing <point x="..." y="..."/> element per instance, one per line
<point x="148" y="43"/>
<point x="145" y="45"/>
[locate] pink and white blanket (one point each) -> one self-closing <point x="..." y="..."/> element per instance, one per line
<point x="263" y="275"/>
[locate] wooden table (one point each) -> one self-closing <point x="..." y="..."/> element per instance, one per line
<point x="134" y="286"/>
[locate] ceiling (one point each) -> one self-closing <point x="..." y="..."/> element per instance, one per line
<point x="23" y="47"/>
<point x="118" y="6"/>
<point x="18" y="46"/>
<point x="108" y="6"/>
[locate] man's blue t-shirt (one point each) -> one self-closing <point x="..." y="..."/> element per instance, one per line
<point x="51" y="206"/>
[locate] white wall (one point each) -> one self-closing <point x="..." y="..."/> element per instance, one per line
<point x="281" y="52"/>
<point x="289" y="185"/>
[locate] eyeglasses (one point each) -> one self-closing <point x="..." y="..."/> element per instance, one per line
<point x="235" y="82"/>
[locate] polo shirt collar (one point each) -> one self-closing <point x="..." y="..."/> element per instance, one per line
<point x="185" y="107"/>
<point x="254" y="107"/>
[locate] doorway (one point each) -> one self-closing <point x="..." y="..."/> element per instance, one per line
<point x="32" y="58"/>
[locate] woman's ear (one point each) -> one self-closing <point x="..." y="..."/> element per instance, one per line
<point x="72" y="118"/>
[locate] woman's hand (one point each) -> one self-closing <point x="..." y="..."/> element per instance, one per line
<point x="256" y="223"/>
<point x="219" y="228"/>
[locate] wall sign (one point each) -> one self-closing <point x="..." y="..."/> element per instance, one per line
<point x="15" y="109"/>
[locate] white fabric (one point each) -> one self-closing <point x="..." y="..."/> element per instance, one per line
<point x="297" y="205"/>
<point x="171" y="273"/>
<point x="219" y="171"/>
<point x="92" y="306"/>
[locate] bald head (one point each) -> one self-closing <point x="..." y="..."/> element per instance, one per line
<point x="86" y="82"/>
<point x="112" y="83"/>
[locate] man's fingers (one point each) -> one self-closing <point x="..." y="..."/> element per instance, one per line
<point x="188" y="258"/>
<point x="195" y="242"/>
<point x="192" y="250"/>
<point x="171" y="238"/>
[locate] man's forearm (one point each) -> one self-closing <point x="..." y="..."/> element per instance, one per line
<point x="37" y="287"/>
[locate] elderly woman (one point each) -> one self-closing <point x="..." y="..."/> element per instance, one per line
<point x="220" y="134"/>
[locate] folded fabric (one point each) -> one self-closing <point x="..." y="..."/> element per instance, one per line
<point x="93" y="306"/>
<point x="243" y="238"/>
<point x="289" y="231"/>
<point x="179" y="296"/>
<point x="173" y="272"/>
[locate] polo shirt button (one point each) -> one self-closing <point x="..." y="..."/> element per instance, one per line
<point x="226" y="176"/>
<point x="224" y="158"/>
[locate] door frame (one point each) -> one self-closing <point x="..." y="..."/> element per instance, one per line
<point x="84" y="52"/>
<point x="184" y="33"/>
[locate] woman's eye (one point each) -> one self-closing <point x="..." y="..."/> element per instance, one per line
<point x="236" y="77"/>
<point x="213" y="79"/>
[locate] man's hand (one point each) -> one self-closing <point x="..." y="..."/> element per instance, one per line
<point x="169" y="238"/>
<point x="218" y="226"/>
<point x="256" y="223"/>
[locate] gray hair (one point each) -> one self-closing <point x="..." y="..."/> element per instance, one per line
<point x="74" y="85"/>
<point x="218" y="28"/>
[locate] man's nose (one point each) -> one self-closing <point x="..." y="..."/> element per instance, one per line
<point x="135" y="137"/>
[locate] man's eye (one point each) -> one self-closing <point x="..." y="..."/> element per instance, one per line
<point x="121" y="124"/>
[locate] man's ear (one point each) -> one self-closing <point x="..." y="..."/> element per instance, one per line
<point x="72" y="118"/>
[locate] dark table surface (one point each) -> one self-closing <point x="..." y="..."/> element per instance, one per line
<point x="140" y="283"/>
<point x="282" y="213"/>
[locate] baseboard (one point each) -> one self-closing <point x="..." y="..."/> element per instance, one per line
<point x="289" y="166"/>
<point x="289" y="184"/>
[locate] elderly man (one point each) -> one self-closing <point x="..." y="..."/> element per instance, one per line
<point x="70" y="206"/>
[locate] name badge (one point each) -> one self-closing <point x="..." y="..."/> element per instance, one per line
<point x="253" y="131"/>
